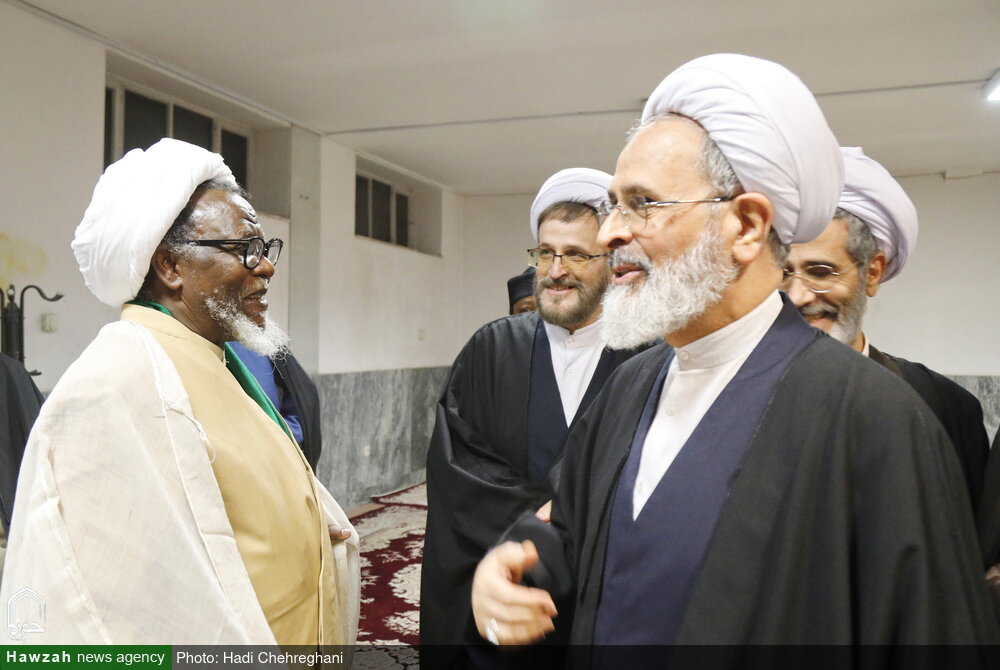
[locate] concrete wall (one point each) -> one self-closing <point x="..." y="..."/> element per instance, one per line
<point x="496" y="238"/>
<point x="381" y="306"/>
<point x="51" y="134"/>
<point x="943" y="309"/>
<point x="379" y="324"/>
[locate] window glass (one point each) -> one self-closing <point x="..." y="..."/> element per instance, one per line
<point x="361" y="206"/>
<point x="109" y="126"/>
<point x="145" y="121"/>
<point x="234" y="151"/>
<point x="193" y="127"/>
<point x="402" y="219"/>
<point x="381" y="211"/>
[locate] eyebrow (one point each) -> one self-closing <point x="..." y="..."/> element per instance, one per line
<point x="634" y="189"/>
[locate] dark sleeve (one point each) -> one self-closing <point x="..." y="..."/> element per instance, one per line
<point x="20" y="401"/>
<point x="302" y="401"/>
<point x="962" y="417"/>
<point x="474" y="492"/>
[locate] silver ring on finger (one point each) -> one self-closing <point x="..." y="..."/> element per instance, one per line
<point x="492" y="628"/>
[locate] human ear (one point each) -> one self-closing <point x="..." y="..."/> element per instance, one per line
<point x="754" y="213"/>
<point x="165" y="266"/>
<point x="873" y="274"/>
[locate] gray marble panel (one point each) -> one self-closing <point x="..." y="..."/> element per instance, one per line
<point x="987" y="389"/>
<point x="376" y="425"/>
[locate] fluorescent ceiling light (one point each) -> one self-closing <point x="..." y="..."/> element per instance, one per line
<point x="992" y="89"/>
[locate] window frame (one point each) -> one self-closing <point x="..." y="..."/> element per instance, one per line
<point x="394" y="192"/>
<point x="119" y="85"/>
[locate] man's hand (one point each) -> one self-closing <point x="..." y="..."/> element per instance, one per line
<point x="338" y="534"/>
<point x="545" y="512"/>
<point x="993" y="582"/>
<point x="507" y="612"/>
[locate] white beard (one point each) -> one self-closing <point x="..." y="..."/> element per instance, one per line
<point x="269" y="340"/>
<point x="848" y="323"/>
<point x="673" y="293"/>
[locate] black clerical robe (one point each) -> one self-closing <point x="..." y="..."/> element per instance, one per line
<point x="846" y="521"/>
<point x="305" y="395"/>
<point x="989" y="511"/>
<point x="20" y="401"/>
<point x="477" y="471"/>
<point x="958" y="411"/>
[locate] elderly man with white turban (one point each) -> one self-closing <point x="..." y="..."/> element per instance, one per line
<point x="161" y="498"/>
<point x="830" y="279"/>
<point x="511" y="396"/>
<point x="755" y="482"/>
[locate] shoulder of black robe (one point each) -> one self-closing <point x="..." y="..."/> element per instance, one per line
<point x="477" y="481"/>
<point x="304" y="393"/>
<point x="20" y="401"/>
<point x="989" y="510"/>
<point x="958" y="411"/>
<point x="846" y="523"/>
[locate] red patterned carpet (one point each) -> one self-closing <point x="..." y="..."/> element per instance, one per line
<point x="391" y="531"/>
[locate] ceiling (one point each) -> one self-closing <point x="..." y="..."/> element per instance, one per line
<point x="492" y="96"/>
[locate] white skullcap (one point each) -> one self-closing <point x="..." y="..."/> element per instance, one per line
<point x="770" y="128"/>
<point x="583" y="185"/>
<point x="871" y="194"/>
<point x="135" y="202"/>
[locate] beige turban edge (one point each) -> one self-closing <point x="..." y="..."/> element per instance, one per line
<point x="770" y="128"/>
<point x="135" y="202"/>
<point x="583" y="185"/>
<point x="871" y="194"/>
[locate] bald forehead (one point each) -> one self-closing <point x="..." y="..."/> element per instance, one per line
<point x="667" y="150"/>
<point x="216" y="209"/>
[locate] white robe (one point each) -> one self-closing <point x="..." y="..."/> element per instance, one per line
<point x="155" y="559"/>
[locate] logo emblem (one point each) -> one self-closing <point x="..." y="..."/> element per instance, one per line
<point x="25" y="614"/>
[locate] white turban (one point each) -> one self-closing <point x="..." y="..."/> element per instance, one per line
<point x="770" y="128"/>
<point x="583" y="185"/>
<point x="872" y="195"/>
<point x="135" y="202"/>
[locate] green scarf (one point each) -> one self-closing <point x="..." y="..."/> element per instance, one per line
<point x="246" y="380"/>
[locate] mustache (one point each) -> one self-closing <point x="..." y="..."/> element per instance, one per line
<point x="562" y="282"/>
<point x="625" y="256"/>
<point x="816" y="309"/>
<point x="257" y="288"/>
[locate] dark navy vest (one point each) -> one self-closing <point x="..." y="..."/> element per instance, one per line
<point x="547" y="429"/>
<point x="651" y="563"/>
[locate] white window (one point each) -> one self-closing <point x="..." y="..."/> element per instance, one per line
<point x="136" y="116"/>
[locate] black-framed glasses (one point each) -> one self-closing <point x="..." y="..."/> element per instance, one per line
<point x="544" y="258"/>
<point x="816" y="277"/>
<point x="254" y="248"/>
<point x="635" y="210"/>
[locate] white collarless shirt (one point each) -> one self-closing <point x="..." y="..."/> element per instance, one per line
<point x="696" y="376"/>
<point x="574" y="359"/>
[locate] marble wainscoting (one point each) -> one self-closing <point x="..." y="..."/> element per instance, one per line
<point x="987" y="389"/>
<point x="376" y="426"/>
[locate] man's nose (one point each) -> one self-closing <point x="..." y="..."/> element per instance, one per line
<point x="557" y="269"/>
<point x="264" y="269"/>
<point x="799" y="294"/>
<point x="613" y="232"/>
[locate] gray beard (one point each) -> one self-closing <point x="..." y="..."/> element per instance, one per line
<point x="270" y="341"/>
<point x="673" y="293"/>
<point x="847" y="320"/>
<point x="588" y="300"/>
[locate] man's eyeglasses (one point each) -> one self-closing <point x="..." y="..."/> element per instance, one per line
<point x="635" y="210"/>
<point x="254" y="248"/>
<point x="818" y="277"/>
<point x="544" y="258"/>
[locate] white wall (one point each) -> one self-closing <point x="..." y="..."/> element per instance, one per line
<point x="943" y="310"/>
<point x="359" y="304"/>
<point x="382" y="306"/>
<point x="51" y="134"/>
<point x="496" y="238"/>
